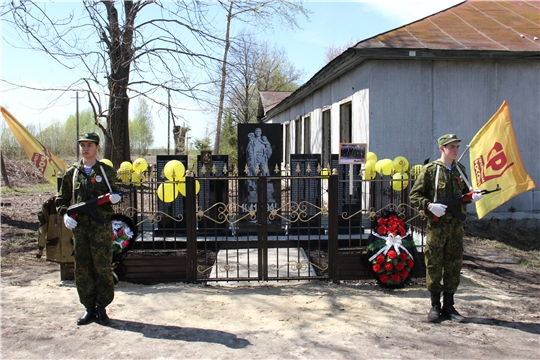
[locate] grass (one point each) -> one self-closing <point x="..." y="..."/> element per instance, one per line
<point x="28" y="190"/>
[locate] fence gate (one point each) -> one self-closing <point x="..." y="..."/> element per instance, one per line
<point x="281" y="233"/>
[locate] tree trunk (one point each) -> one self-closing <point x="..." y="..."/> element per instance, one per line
<point x="179" y="133"/>
<point x="223" y="79"/>
<point x="4" y="171"/>
<point x="117" y="147"/>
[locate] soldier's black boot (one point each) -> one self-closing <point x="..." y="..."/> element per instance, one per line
<point x="103" y="319"/>
<point x="448" y="309"/>
<point x="89" y="315"/>
<point x="435" y="312"/>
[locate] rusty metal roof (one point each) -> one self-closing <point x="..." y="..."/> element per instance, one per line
<point x="471" y="25"/>
<point x="270" y="99"/>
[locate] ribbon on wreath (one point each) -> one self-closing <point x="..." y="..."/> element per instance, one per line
<point x="392" y="241"/>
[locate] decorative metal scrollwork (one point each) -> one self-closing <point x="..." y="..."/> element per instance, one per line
<point x="227" y="267"/>
<point x="299" y="212"/>
<point x="225" y="213"/>
<point x="151" y="217"/>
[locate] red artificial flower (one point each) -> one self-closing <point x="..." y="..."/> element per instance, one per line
<point x="125" y="243"/>
<point x="388" y="266"/>
<point x="410" y="264"/>
<point x="377" y="268"/>
<point x="392" y="254"/>
<point x="381" y="230"/>
<point x="120" y="232"/>
<point x="381" y="221"/>
<point x="384" y="278"/>
<point x="404" y="274"/>
<point x="113" y="236"/>
<point x="403" y="256"/>
<point x="396" y="278"/>
<point x="400" y="266"/>
<point x="379" y="259"/>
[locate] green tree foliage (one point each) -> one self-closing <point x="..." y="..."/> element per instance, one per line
<point x="203" y="144"/>
<point x="140" y="129"/>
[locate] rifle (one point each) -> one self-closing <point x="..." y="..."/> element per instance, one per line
<point x="88" y="205"/>
<point x="452" y="202"/>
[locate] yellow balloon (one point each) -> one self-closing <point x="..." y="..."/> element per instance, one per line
<point x="167" y="192"/>
<point x="124" y="175"/>
<point x="126" y="165"/>
<point x="138" y="178"/>
<point x="400" y="164"/>
<point x="174" y="170"/>
<point x="370" y="172"/>
<point x="108" y="162"/>
<point x="386" y="166"/>
<point x="416" y="170"/>
<point x="371" y="156"/>
<point x="140" y="165"/>
<point x="182" y="186"/>
<point x="378" y="166"/>
<point x="400" y="181"/>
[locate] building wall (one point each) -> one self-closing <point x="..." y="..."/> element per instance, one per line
<point x="401" y="107"/>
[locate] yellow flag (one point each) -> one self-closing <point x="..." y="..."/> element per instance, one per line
<point x="495" y="160"/>
<point x="49" y="165"/>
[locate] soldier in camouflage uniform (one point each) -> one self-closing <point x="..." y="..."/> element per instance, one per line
<point x="83" y="181"/>
<point x="439" y="180"/>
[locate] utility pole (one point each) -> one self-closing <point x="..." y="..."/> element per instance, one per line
<point x="169" y="123"/>
<point x="77" y="124"/>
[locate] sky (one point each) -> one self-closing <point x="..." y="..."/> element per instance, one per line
<point x="330" y="23"/>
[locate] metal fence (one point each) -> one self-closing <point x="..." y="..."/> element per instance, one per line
<point x="292" y="227"/>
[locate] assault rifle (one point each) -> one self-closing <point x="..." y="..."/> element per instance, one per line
<point x="456" y="200"/>
<point x="88" y="205"/>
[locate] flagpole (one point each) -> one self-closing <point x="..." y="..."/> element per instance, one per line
<point x="464" y="152"/>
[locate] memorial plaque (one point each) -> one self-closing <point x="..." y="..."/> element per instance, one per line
<point x="348" y="203"/>
<point x="259" y="154"/>
<point x="305" y="191"/>
<point x="175" y="208"/>
<point x="214" y="189"/>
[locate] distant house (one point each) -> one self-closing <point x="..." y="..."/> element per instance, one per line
<point x="447" y="73"/>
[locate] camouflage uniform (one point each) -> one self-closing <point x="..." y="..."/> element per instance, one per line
<point x="93" y="240"/>
<point x="444" y="247"/>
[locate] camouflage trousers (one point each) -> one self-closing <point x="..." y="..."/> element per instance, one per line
<point x="93" y="258"/>
<point x="444" y="255"/>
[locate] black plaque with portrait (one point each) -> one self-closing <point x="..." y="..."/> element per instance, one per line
<point x="305" y="190"/>
<point x="174" y="209"/>
<point x="348" y="203"/>
<point x="259" y="154"/>
<point x="213" y="195"/>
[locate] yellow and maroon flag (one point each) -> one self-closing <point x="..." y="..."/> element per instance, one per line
<point x="48" y="164"/>
<point x="495" y="160"/>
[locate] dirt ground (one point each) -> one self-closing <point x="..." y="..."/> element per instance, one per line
<point x="499" y="294"/>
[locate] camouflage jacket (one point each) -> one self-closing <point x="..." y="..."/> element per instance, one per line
<point x="85" y="187"/>
<point x="450" y="184"/>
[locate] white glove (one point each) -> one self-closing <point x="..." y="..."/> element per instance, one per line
<point x="70" y="222"/>
<point x="115" y="198"/>
<point x="477" y="196"/>
<point x="437" y="209"/>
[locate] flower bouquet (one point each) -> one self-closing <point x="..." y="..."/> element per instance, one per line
<point x="391" y="251"/>
<point x="124" y="235"/>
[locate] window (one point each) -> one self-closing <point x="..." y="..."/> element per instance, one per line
<point x="345" y="123"/>
<point x="298" y="136"/>
<point x="326" y="139"/>
<point x="287" y="143"/>
<point x="307" y="135"/>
